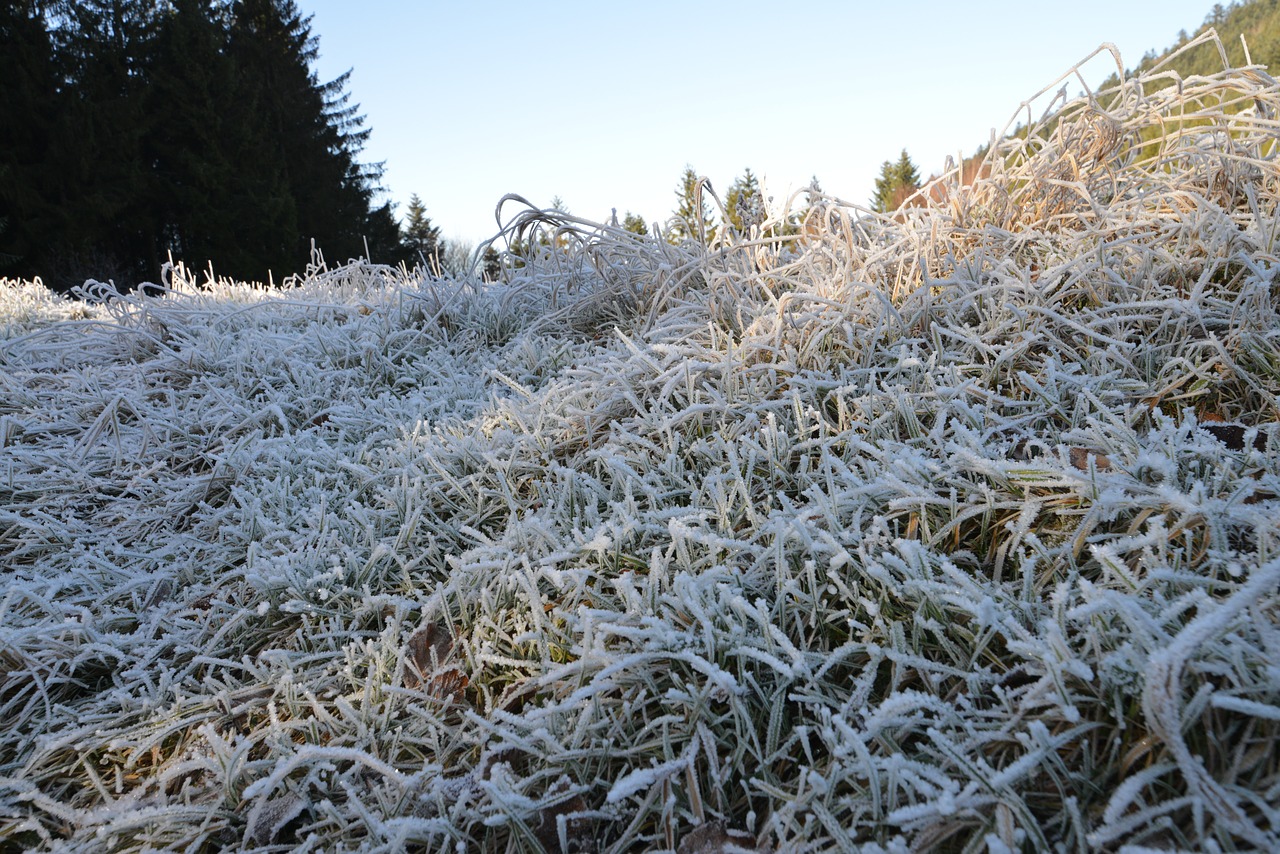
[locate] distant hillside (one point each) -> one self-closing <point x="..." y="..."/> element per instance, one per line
<point x="1258" y="21"/>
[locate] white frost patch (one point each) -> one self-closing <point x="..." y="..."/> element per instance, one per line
<point x="643" y="779"/>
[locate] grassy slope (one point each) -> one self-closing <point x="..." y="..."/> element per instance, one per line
<point x="905" y="533"/>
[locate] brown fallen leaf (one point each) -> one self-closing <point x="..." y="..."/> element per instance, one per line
<point x="268" y="818"/>
<point x="1080" y="457"/>
<point x="1259" y="495"/>
<point x="715" y="838"/>
<point x="425" y="668"/>
<point x="1026" y="450"/>
<point x="448" y="684"/>
<point x="579" y="830"/>
<point x="1233" y="435"/>
<point x="516" y="695"/>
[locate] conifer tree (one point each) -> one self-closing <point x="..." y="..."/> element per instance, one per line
<point x="908" y="175"/>
<point x="314" y="134"/>
<point x="216" y="204"/>
<point x="635" y="224"/>
<point x="886" y="183"/>
<point x="897" y="181"/>
<point x="490" y="264"/>
<point x="744" y="208"/>
<point x="813" y="193"/>
<point x="103" y="175"/>
<point x="692" y="218"/>
<point x="418" y="235"/>
<point x="383" y="239"/>
<point x="811" y="217"/>
<point x="29" y="103"/>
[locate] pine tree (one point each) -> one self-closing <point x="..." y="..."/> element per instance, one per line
<point x="29" y="103"/>
<point x="692" y="218"/>
<point x="896" y="183"/>
<point x="744" y="208"/>
<point x="131" y="130"/>
<point x="810" y="219"/>
<point x="383" y="238"/>
<point x="490" y="264"/>
<point x="885" y="187"/>
<point x="546" y="235"/>
<point x="104" y="176"/>
<point x="813" y="193"/>
<point x="419" y="236"/>
<point x="217" y="203"/>
<point x="314" y="134"/>
<point x="908" y="175"/>
<point x="635" y="224"/>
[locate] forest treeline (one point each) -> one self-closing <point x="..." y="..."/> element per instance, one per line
<point x="132" y="131"/>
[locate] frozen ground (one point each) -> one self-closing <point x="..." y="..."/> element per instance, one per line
<point x="891" y="534"/>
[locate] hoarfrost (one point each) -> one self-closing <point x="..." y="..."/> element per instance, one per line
<point x="876" y="535"/>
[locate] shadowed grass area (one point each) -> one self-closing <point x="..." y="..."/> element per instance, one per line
<point x="949" y="530"/>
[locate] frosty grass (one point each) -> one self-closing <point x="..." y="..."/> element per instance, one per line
<point x="890" y="534"/>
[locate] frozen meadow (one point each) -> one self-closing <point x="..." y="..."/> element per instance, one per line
<point x="958" y="530"/>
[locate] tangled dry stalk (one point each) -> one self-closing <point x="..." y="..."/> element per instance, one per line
<point x="947" y="531"/>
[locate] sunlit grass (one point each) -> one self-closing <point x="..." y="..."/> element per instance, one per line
<point x="894" y="532"/>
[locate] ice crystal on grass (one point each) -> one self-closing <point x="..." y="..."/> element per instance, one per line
<point x="956" y="529"/>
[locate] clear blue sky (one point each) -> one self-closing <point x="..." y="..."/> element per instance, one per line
<point x="604" y="103"/>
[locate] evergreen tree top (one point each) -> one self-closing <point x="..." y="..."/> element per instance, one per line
<point x="635" y="224"/>
<point x="744" y="207"/>
<point x="897" y="181"/>
<point x="692" y="217"/>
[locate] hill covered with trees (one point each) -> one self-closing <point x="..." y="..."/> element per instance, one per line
<point x="1248" y="34"/>
<point x="1255" y="23"/>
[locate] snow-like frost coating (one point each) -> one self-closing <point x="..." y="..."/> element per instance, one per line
<point x="866" y="533"/>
